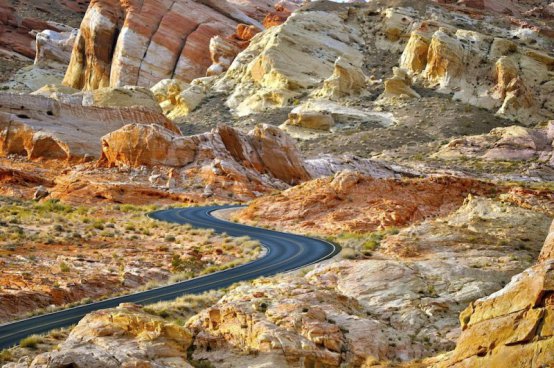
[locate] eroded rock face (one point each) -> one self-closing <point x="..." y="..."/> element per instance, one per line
<point x="264" y="150"/>
<point x="513" y="326"/>
<point x="292" y="324"/>
<point x="140" y="43"/>
<point x="41" y="127"/>
<point x="461" y="62"/>
<point x="514" y="143"/>
<point x="124" y="336"/>
<point x="266" y="74"/>
<point x="330" y="204"/>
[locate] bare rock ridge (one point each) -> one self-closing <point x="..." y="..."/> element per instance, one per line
<point x="121" y="337"/>
<point x="41" y="127"/>
<point x="140" y="43"/>
<point x="264" y="150"/>
<point x="514" y="143"/>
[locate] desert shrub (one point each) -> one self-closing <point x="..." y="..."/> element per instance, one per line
<point x="64" y="267"/>
<point x="348" y="253"/>
<point x="5" y="356"/>
<point x="30" y="342"/>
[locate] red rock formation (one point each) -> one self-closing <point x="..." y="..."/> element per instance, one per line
<point x="15" y="32"/>
<point x="78" y="6"/>
<point x="351" y="202"/>
<point x="223" y="152"/>
<point x="142" y="42"/>
<point x="277" y="17"/>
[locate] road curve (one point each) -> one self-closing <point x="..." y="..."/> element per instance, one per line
<point x="285" y="252"/>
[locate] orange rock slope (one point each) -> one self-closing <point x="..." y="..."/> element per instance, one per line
<point x="356" y="203"/>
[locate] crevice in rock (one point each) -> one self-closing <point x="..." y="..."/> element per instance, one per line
<point x="149" y="42"/>
<point x="182" y="47"/>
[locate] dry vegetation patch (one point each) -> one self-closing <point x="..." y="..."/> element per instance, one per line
<point x="54" y="254"/>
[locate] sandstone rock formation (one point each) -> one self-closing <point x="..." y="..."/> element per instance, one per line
<point x="341" y="202"/>
<point x="324" y="115"/>
<point x="127" y="96"/>
<point x="40" y="127"/>
<point x="513" y="143"/>
<point x="461" y="62"/>
<point x="479" y="64"/>
<point x="124" y="336"/>
<point x="512" y="326"/>
<point x="267" y="74"/>
<point x="158" y="146"/>
<point x="15" y="33"/>
<point x="328" y="165"/>
<point x="352" y="310"/>
<point x="300" y="328"/>
<point x="400" y="85"/>
<point x="53" y="49"/>
<point x="347" y="80"/>
<point x="222" y="53"/>
<point x="178" y="98"/>
<point x="225" y="151"/>
<point x="135" y="43"/>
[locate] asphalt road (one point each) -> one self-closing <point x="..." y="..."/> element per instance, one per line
<point x="285" y="252"/>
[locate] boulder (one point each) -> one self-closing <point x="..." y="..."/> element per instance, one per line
<point x="222" y="53"/>
<point x="188" y="100"/>
<point x="166" y="92"/>
<point x="53" y="49"/>
<point x="513" y="143"/>
<point x="151" y="145"/>
<point x="125" y="336"/>
<point x="324" y="115"/>
<point x="347" y="80"/>
<point x="400" y="85"/>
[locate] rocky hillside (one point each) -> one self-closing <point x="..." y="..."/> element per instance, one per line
<point x="417" y="135"/>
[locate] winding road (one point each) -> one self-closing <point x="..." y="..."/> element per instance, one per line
<point x="285" y="252"/>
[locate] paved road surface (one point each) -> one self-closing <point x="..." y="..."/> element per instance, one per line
<point x="285" y="252"/>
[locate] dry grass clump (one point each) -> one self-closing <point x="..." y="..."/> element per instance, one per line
<point x="182" y="308"/>
<point x="360" y="245"/>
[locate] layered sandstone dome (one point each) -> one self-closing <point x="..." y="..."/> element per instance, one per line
<point x="139" y="43"/>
